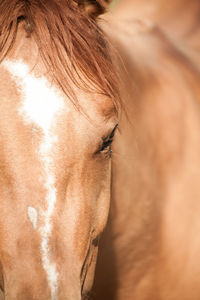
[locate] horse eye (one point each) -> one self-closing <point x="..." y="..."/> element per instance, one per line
<point x="107" y="141"/>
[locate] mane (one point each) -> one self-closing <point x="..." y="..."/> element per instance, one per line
<point x="61" y="29"/>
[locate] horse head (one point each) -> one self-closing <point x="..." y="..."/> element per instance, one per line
<point x="58" y="116"/>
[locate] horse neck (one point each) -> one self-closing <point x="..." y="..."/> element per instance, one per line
<point x="156" y="156"/>
<point x="180" y="18"/>
<point x="159" y="8"/>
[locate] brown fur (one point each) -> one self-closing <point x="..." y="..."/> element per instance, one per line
<point x="178" y="18"/>
<point x="72" y="46"/>
<point x="94" y="8"/>
<point x="151" y="247"/>
<point x="150" y="250"/>
<point x="74" y="54"/>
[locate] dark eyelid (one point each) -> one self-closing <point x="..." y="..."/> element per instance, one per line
<point x="107" y="141"/>
<point x="111" y="135"/>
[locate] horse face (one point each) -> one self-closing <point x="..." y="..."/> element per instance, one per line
<point x="54" y="185"/>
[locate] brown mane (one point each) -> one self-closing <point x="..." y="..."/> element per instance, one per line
<point x="62" y="29"/>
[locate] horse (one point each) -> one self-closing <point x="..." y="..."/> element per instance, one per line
<point x="150" y="249"/>
<point x="62" y="102"/>
<point x="59" y="104"/>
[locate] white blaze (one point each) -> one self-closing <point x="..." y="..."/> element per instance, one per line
<point x="41" y="107"/>
<point x="33" y="216"/>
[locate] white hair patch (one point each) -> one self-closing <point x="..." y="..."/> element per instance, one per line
<point x="33" y="216"/>
<point x="41" y="107"/>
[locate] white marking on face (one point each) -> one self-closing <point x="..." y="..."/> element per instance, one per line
<point x="33" y="216"/>
<point x="41" y="106"/>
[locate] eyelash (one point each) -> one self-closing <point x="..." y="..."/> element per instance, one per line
<point x="107" y="142"/>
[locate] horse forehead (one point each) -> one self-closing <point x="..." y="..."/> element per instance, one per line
<point x="41" y="102"/>
<point x="44" y="105"/>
